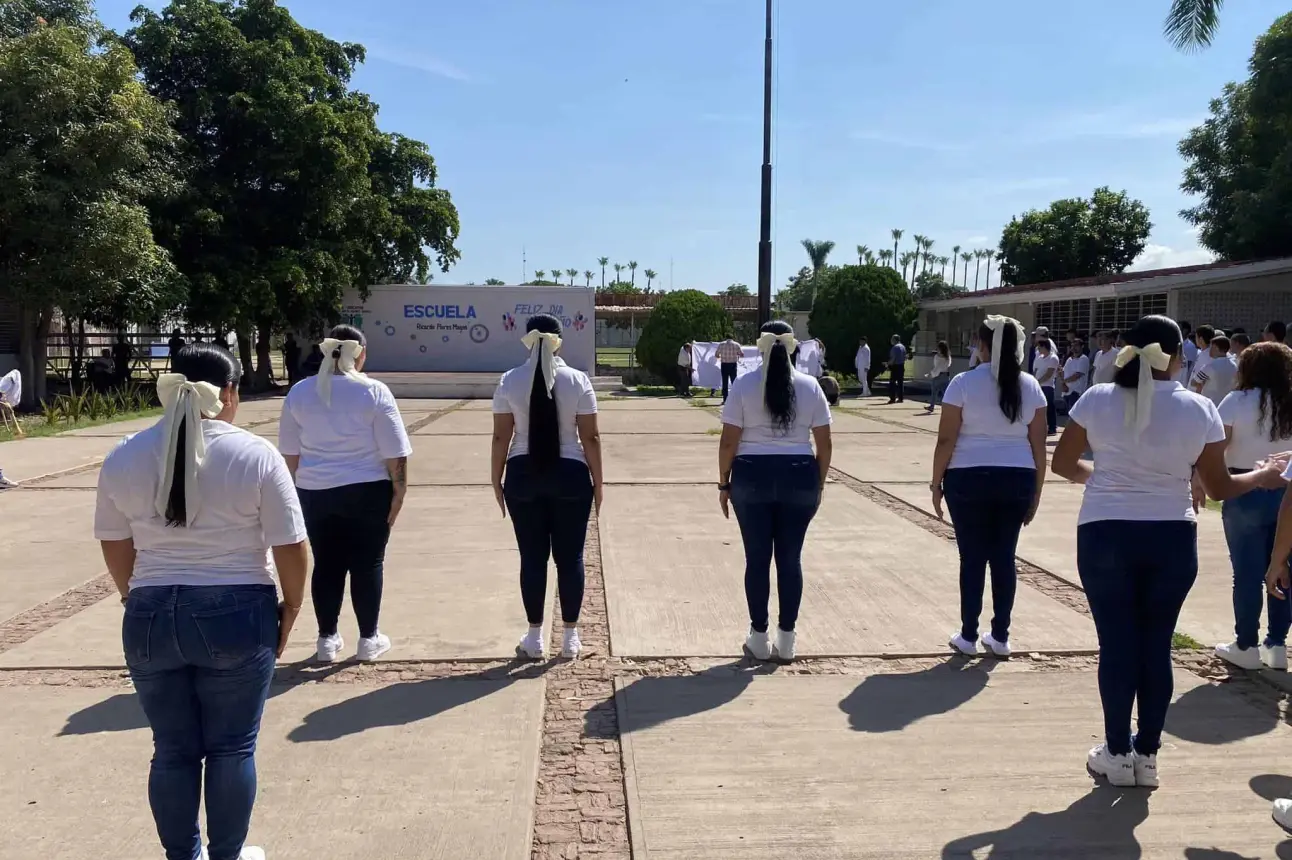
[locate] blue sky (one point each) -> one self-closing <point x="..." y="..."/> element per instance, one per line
<point x="574" y="129"/>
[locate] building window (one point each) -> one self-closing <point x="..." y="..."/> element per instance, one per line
<point x="1058" y="317"/>
<point x="1124" y="312"/>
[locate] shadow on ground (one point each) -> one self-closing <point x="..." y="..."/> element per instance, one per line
<point x="1100" y="824"/>
<point x="891" y="702"/>
<point x="1213" y="714"/>
<point x="654" y="701"/>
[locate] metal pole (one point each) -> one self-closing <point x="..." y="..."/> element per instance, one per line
<point x="765" y="217"/>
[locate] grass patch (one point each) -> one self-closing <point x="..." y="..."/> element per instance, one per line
<point x="1185" y="642"/>
<point x="36" y="426"/>
<point x="713" y="431"/>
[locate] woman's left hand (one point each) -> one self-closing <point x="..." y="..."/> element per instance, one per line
<point x="1197" y="493"/>
<point x="936" y="490"/>
<point x="724" y="500"/>
<point x="396" y="505"/>
<point x="498" y="497"/>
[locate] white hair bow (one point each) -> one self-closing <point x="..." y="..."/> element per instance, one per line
<point x="765" y="342"/>
<point x="339" y="356"/>
<point x="186" y="403"/>
<point x="1151" y="358"/>
<point x="998" y="324"/>
<point x="546" y="344"/>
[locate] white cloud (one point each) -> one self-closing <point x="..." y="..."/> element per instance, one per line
<point x="1165" y="257"/>
<point x="419" y="62"/>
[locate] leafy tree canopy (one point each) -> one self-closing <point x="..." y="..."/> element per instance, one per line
<point x="852" y="301"/>
<point x="1239" y="162"/>
<point x="1074" y="238"/>
<point x="494" y="282"/>
<point x="931" y="285"/>
<point x="680" y="316"/>
<point x="797" y="294"/>
<point x="20" y="17"/>
<point x="736" y="290"/>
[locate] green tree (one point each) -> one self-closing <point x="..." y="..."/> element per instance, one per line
<point x="21" y="17"/>
<point x="977" y="269"/>
<point x="494" y="282"/>
<point x="965" y="257"/>
<point x="681" y="316"/>
<point x="863" y="251"/>
<point x="651" y="275"/>
<point x="587" y="277"/>
<point x="571" y="274"/>
<point x="955" y="255"/>
<point x="1239" y="163"/>
<point x="931" y="285"/>
<point x="908" y="257"/>
<point x="988" y="254"/>
<point x="1074" y="238"/>
<point x="619" y="268"/>
<point x="796" y="295"/>
<point x="632" y="269"/>
<point x="886" y="256"/>
<point x="1191" y="24"/>
<point x="897" y="237"/>
<point x="818" y="252"/>
<point x="602" y="261"/>
<point x="82" y="144"/>
<point x="736" y="289"/>
<point x="539" y="275"/>
<point x="853" y="301"/>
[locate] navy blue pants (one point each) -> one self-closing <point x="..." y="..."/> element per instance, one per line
<point x="549" y="513"/>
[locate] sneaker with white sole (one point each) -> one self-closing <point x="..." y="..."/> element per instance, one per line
<point x="6" y="484"/>
<point x="571" y="644"/>
<point x="531" y="644"/>
<point x="990" y="643"/>
<point x="252" y="853"/>
<point x="963" y="645"/>
<point x="758" y="645"/>
<point x="1275" y="657"/>
<point x="784" y="646"/>
<point x="329" y="648"/>
<point x="1145" y="770"/>
<point x="1243" y="658"/>
<point x="1119" y="770"/>
<point x="372" y="647"/>
<point x="1283" y="813"/>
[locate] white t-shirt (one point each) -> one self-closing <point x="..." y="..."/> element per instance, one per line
<point x="1249" y="436"/>
<point x="11" y="387"/>
<point x="1220" y="376"/>
<point x="1044" y="363"/>
<point x="1189" y="352"/>
<point x="760" y="434"/>
<point x="986" y="437"/>
<point x="1077" y="364"/>
<point x="1200" y="364"/>
<point x="1144" y="476"/>
<point x="346" y="443"/>
<point x="248" y="506"/>
<point x="863" y="358"/>
<point x="1105" y="367"/>
<point x="574" y="396"/>
<point x="683" y="357"/>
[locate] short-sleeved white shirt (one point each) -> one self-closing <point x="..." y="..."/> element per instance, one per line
<point x="760" y="433"/>
<point x="1105" y="367"/>
<point x="346" y="443"/>
<point x="1249" y="435"/>
<point x="1077" y="364"/>
<point x="986" y="437"/>
<point x="11" y="387"/>
<point x="1144" y="476"/>
<point x="574" y="396"/>
<point x="684" y="357"/>
<point x="248" y="506"/>
<point x="1044" y="363"/>
<point x="1221" y="374"/>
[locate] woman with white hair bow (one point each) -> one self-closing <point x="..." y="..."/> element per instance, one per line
<point x="768" y="472"/>
<point x="1137" y="547"/>
<point x="346" y="445"/>
<point x="189" y="512"/>
<point x="546" y="472"/>
<point x="989" y="464"/>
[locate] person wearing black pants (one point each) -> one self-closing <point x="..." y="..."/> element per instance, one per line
<point x="546" y="474"/>
<point x="989" y="467"/>
<point x="345" y="443"/>
<point x="897" y="371"/>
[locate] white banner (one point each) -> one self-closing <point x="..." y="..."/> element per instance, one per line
<point x="706" y="370"/>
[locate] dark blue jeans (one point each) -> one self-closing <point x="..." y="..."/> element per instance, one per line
<point x="1136" y="576"/>
<point x="348" y="527"/>
<point x="775" y="497"/>
<point x="1051" y="411"/>
<point x="549" y="514"/>
<point x="1250" y="521"/>
<point x="988" y="505"/>
<point x="201" y="658"/>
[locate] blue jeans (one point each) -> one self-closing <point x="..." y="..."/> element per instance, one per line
<point x="1250" y="521"/>
<point x="201" y="658"/>
<point x="549" y="514"/>
<point x="938" y="388"/>
<point x="1051" y="411"/>
<point x="1136" y="576"/>
<point x="988" y="505"/>
<point x="775" y="497"/>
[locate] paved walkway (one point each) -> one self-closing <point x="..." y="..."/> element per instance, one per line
<point x="661" y="742"/>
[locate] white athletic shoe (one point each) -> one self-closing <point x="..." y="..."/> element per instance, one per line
<point x="571" y="645"/>
<point x="963" y="645"/>
<point x="1119" y="770"/>
<point x="784" y="648"/>
<point x="373" y="647"/>
<point x="329" y="648"/>
<point x="251" y="853"/>
<point x="1000" y="649"/>
<point x="758" y="645"/>
<point x="1283" y="813"/>
<point x="1243" y="658"/>
<point x="531" y="645"/>
<point x="6" y="484"/>
<point x="1145" y="770"/>
<point x="1275" y="657"/>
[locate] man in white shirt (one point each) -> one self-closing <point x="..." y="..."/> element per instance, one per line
<point x="1104" y="366"/>
<point x="1202" y="352"/>
<point x="684" y="370"/>
<point x="10" y="395"/>
<point x="729" y="354"/>
<point x="863" y="366"/>
<point x="1076" y="373"/>
<point x="1041" y="333"/>
<point x="1218" y="377"/>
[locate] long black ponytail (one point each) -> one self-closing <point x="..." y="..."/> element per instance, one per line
<point x="778" y="379"/>
<point x="198" y="362"/>
<point x="544" y="422"/>
<point x="1008" y="371"/>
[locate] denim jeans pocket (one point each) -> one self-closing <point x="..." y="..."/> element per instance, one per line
<point x="136" y="632"/>
<point x="234" y="633"/>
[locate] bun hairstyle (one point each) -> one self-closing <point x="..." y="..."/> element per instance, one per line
<point x="198" y="362"/>
<point x="544" y="424"/>
<point x="346" y="332"/>
<point x="1008" y="370"/>
<point x="1157" y="329"/>
<point x="778" y="378"/>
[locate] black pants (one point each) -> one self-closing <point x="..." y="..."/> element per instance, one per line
<point x="1051" y="411"/>
<point x="728" y="377"/>
<point x="683" y="380"/>
<point x="348" y="531"/>
<point x="549" y="514"/>
<point x="896" y="382"/>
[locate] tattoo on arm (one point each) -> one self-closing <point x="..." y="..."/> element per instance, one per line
<point x="399" y="472"/>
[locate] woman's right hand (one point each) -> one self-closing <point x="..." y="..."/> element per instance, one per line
<point x="596" y="498"/>
<point x="1276" y="579"/>
<point x="286" y="621"/>
<point x="498" y="497"/>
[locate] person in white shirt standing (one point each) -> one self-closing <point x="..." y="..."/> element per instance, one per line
<point x="940" y="375"/>
<point x="1076" y="373"/>
<point x="1216" y="379"/>
<point x="10" y="396"/>
<point x="1137" y="534"/>
<point x="546" y="472"/>
<point x="862" y="362"/>
<point x="989" y="464"/>
<point x="346" y="446"/>
<point x="729" y="354"/>
<point x="1202" y="353"/>
<point x="189" y="513"/>
<point x="684" y="360"/>
<point x="767" y="471"/>
<point x="1104" y="366"/>
<point x="1046" y="370"/>
<point x="1189" y="353"/>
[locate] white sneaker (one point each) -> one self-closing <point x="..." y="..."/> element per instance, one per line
<point x="373" y="647"/>
<point x="784" y="648"/>
<point x="1243" y="658"/>
<point x="1283" y="813"/>
<point x="1000" y="649"/>
<point x="963" y="645"/>
<point x="758" y="645"/>
<point x="571" y="645"/>
<point x="251" y="853"/>
<point x="1119" y="770"/>
<point x="329" y="648"/>
<point x="1275" y="657"/>
<point x="1145" y="770"/>
<point x="6" y="484"/>
<point x="531" y="645"/>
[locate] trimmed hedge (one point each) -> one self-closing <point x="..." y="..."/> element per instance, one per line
<point x="853" y="301"/>
<point x="680" y="316"/>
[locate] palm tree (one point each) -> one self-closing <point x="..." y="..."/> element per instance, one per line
<point x="965" y="257"/>
<point x="988" y="255"/>
<point x="632" y="267"/>
<point x="651" y="275"/>
<point x="977" y="268"/>
<point x="818" y="251"/>
<point x="928" y="254"/>
<point x="618" y="267"/>
<point x="863" y="251"/>
<point x="587" y="277"/>
<point x="955" y="254"/>
<point x="942" y="261"/>
<point x="908" y="257"/>
<point x="539" y="274"/>
<point x="603" y="261"/>
<point x="885" y="256"/>
<point x="1191" y="24"/>
<point x="897" y="237"/>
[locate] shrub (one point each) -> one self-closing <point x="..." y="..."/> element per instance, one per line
<point x="852" y="301"/>
<point x="679" y="317"/>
